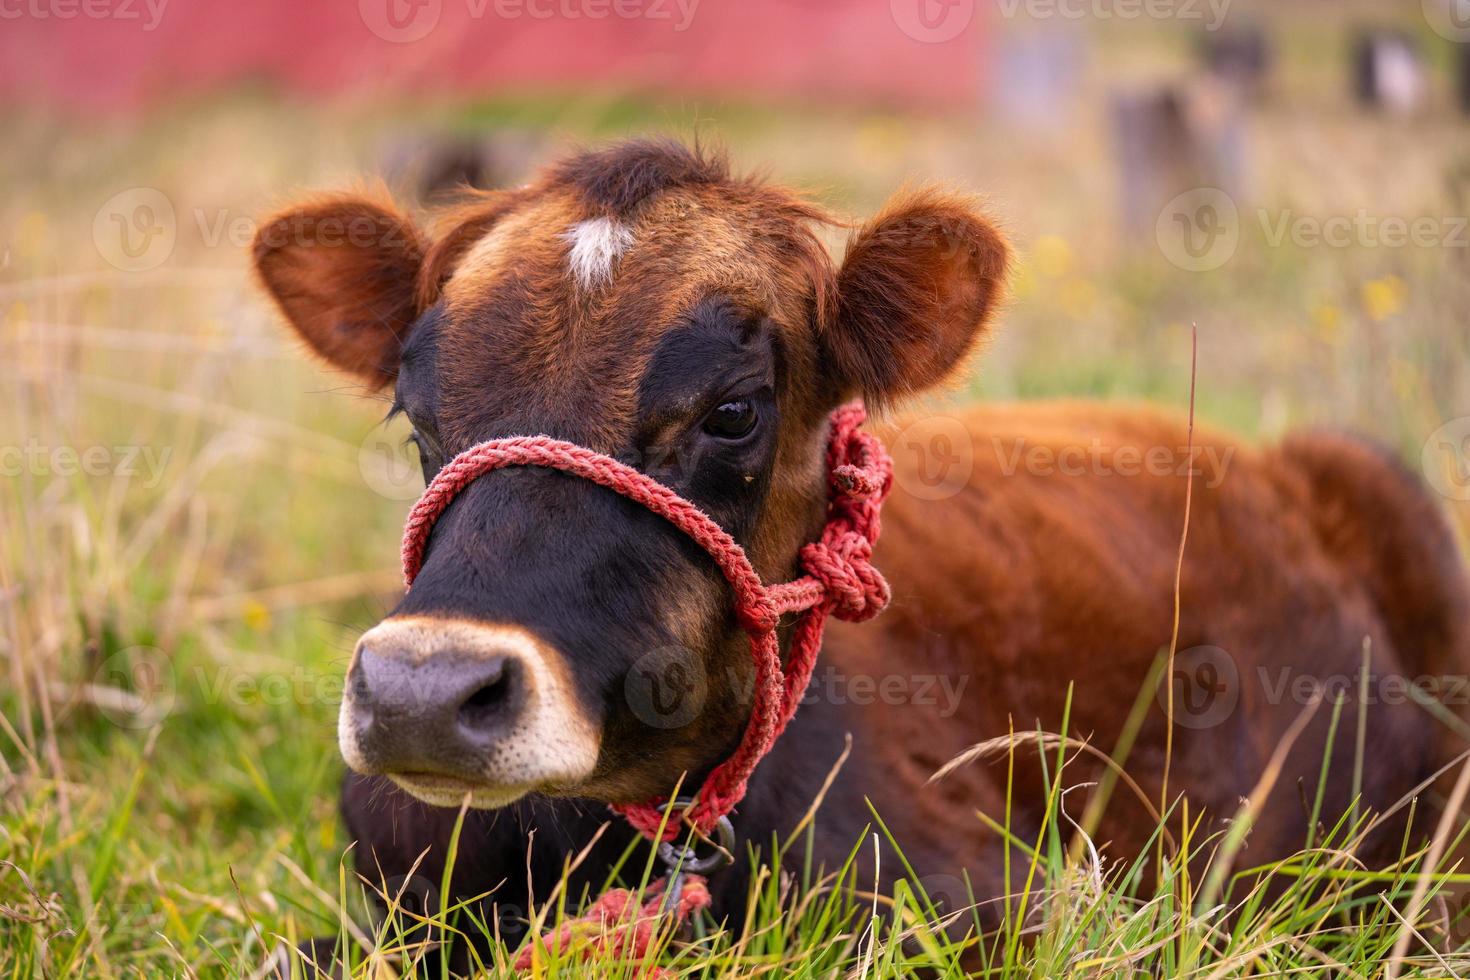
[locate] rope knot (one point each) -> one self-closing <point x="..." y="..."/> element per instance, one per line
<point x="859" y="469"/>
<point x="843" y="564"/>
<point x="757" y="612"/>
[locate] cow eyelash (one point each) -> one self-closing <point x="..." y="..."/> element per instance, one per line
<point x="425" y="445"/>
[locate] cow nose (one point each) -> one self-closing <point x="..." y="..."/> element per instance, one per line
<point x="443" y="706"/>
<point x="438" y="715"/>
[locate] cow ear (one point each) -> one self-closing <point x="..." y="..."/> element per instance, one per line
<point x="343" y="269"/>
<point x="917" y="288"/>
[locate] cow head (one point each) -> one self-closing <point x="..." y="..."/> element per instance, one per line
<point x="642" y="302"/>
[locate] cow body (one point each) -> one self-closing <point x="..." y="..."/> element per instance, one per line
<point x="1051" y="565"/>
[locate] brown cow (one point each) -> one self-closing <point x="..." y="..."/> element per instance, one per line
<point x="641" y="301"/>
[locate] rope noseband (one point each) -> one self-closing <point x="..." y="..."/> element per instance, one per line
<point x="839" y="581"/>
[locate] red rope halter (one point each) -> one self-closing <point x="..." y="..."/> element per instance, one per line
<point x="840" y="579"/>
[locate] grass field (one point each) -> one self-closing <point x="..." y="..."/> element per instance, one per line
<point x="195" y="523"/>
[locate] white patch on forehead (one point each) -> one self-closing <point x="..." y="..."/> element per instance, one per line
<point x="597" y="244"/>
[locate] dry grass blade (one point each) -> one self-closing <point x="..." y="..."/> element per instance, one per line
<point x="1443" y="833"/>
<point x="334" y="588"/>
<point x="1178" y="584"/>
<point x="816" y="804"/>
<point x="363" y="940"/>
<point x="1246" y="816"/>
<point x="1048" y="741"/>
<point x="1408" y="926"/>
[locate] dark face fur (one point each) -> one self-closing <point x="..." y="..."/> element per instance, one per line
<point x="642" y="303"/>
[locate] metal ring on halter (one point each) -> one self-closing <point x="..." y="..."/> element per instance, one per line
<point x="684" y="860"/>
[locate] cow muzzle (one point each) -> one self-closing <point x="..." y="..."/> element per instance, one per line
<point x="451" y="708"/>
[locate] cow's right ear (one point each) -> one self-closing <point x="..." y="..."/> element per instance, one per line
<point x="343" y="269"/>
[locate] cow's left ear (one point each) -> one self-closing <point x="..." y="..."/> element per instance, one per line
<point x="344" y="269"/>
<point x="917" y="288"/>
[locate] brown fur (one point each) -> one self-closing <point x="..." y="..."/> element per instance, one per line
<point x="342" y="268"/>
<point x="1294" y="558"/>
<point x="926" y="261"/>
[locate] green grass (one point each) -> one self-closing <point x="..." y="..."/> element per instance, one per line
<point x="122" y="882"/>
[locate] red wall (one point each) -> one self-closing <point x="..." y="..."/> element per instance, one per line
<point x="106" y="55"/>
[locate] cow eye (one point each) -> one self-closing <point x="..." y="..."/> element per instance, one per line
<point x="731" y="420"/>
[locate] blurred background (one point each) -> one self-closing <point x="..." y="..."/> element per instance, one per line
<point x="195" y="521"/>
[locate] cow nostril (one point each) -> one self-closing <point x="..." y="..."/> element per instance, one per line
<point x="487" y="703"/>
